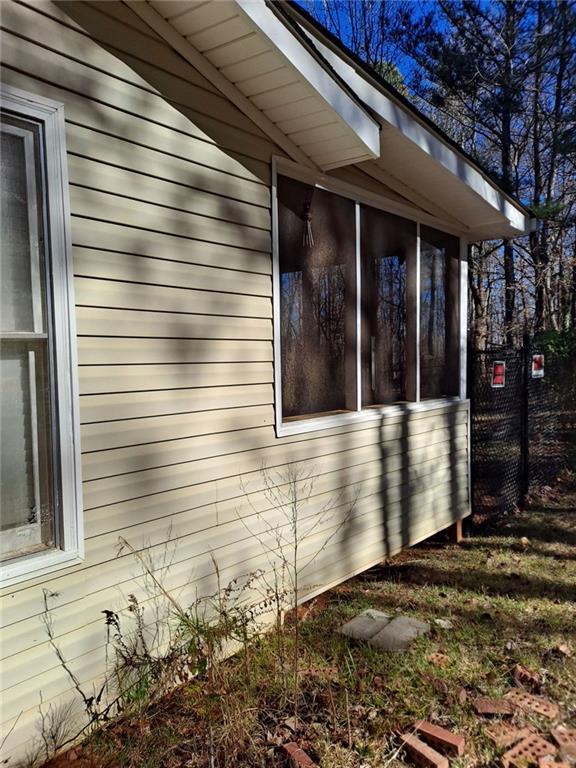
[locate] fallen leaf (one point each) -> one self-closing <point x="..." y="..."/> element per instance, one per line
<point x="292" y="723"/>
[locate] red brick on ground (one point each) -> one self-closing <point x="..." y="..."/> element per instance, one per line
<point x="441" y="739"/>
<point x="298" y="757"/>
<point x="505" y="734"/>
<point x="528" y="751"/>
<point x="421" y="754"/>
<point x="486" y="706"/>
<point x="566" y="739"/>
<point x="545" y="763"/>
<point x="536" y="704"/>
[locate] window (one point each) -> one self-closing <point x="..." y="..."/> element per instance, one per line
<point x="386" y="243"/>
<point x="367" y="307"/>
<point x="438" y="313"/>
<point x="39" y="497"/>
<point x="317" y="304"/>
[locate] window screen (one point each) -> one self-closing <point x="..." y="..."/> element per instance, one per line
<point x="26" y="508"/>
<point x="386" y="244"/>
<point x="438" y="314"/>
<point x="316" y="232"/>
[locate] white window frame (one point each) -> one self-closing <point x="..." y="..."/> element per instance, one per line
<point x="69" y="547"/>
<point x="284" y="167"/>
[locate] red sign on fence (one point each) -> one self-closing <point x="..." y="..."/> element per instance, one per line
<point x="498" y="374"/>
<point x="537" y="366"/>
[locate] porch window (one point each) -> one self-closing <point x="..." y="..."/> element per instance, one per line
<point x="38" y="471"/>
<point x="317" y="300"/>
<point x="386" y="244"/>
<point x="367" y="306"/>
<point x="438" y="313"/>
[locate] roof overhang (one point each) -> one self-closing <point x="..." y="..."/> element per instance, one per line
<point x="422" y="162"/>
<point x="248" y="51"/>
<point x="326" y="111"/>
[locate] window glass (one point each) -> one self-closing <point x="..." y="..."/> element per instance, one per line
<point x="438" y="313"/>
<point x="316" y="231"/>
<point x="386" y="243"/>
<point x="26" y="508"/>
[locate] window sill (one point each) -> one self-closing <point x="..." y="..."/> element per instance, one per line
<point x="32" y="566"/>
<point x="374" y="413"/>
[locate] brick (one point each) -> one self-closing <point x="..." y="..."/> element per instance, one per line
<point x="505" y="734"/>
<point x="526" y="677"/>
<point x="535" y="704"/>
<point x="298" y="757"/>
<point x="528" y="751"/>
<point x="566" y="739"/>
<point x="545" y="763"/>
<point x="486" y="706"/>
<point x="421" y="754"/>
<point x="443" y="740"/>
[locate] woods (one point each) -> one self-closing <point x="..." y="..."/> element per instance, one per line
<point x="499" y="78"/>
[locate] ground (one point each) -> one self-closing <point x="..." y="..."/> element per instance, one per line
<point x="509" y="594"/>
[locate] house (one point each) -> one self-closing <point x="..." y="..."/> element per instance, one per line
<point x="228" y="248"/>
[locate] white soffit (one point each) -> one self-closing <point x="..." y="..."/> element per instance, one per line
<point x="276" y="74"/>
<point x="418" y="159"/>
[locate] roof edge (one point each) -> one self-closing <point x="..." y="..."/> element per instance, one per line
<point x="295" y="12"/>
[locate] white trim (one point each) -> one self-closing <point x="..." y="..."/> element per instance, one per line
<point x="358" y="268"/>
<point x="463" y="309"/>
<point x="181" y="45"/>
<point x="376" y="413"/>
<point x="417" y="294"/>
<point x="277" y="333"/>
<point x="69" y="519"/>
<point x="303" y="425"/>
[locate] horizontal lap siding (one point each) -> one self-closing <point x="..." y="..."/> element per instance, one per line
<point x="171" y="240"/>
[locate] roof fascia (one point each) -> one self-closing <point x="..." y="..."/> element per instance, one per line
<point x="366" y="128"/>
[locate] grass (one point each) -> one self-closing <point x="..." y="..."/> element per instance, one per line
<point x="509" y="593"/>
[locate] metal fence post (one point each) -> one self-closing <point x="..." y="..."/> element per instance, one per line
<point x="524" y="420"/>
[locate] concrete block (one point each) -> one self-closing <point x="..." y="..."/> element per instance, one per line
<point x="366" y="625"/>
<point x="399" y="633"/>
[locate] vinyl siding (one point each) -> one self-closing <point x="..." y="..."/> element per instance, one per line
<point x="170" y="208"/>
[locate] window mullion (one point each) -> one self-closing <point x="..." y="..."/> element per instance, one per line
<point x="416" y="344"/>
<point x="358" y="311"/>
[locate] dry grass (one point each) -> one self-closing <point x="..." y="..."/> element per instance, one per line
<point x="509" y="602"/>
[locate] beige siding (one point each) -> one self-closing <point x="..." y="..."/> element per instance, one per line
<point x="170" y="208"/>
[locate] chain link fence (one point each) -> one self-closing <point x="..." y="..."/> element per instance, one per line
<point x="523" y="423"/>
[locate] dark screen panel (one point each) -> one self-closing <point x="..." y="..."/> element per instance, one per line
<point x="316" y="235"/>
<point x="438" y="313"/>
<point x="386" y="244"/>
